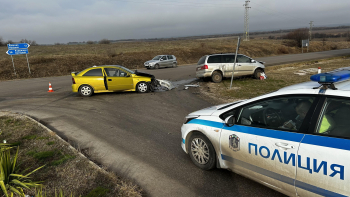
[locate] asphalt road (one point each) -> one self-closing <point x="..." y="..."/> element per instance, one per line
<point x="137" y="135"/>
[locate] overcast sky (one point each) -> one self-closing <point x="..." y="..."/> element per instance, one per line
<point x="51" y="21"/>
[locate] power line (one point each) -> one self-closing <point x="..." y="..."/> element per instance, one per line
<point x="275" y="12"/>
<point x="178" y="3"/>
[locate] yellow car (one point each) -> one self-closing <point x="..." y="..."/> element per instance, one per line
<point x="112" y="78"/>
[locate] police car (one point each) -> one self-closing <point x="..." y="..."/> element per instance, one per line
<point x="295" y="140"/>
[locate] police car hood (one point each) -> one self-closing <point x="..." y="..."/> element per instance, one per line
<point x="210" y="110"/>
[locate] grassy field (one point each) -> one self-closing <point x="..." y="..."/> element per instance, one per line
<point x="277" y="77"/>
<point x="60" y="60"/>
<point x="65" y="168"/>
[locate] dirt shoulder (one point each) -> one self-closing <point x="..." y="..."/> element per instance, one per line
<point x="65" y="168"/>
<point x="277" y="77"/>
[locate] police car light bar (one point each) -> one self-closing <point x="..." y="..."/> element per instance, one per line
<point x="332" y="77"/>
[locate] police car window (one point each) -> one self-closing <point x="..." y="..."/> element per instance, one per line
<point x="285" y="113"/>
<point x="94" y="72"/>
<point x="227" y="114"/>
<point x="334" y="118"/>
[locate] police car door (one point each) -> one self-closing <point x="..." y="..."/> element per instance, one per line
<point x="260" y="147"/>
<point x="324" y="154"/>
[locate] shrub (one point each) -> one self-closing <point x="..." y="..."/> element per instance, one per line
<point x="90" y="42"/>
<point x="11" y="181"/>
<point x="283" y="50"/>
<point x="44" y="155"/>
<point x="334" y="47"/>
<point x="297" y="36"/>
<point x="98" y="191"/>
<point x="62" y="160"/>
<point x="104" y="41"/>
<point x="29" y="137"/>
<point x="111" y="53"/>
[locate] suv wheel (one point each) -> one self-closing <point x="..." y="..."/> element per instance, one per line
<point x="257" y="73"/>
<point x="216" y="77"/>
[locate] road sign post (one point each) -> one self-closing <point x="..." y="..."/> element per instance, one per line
<point x="13" y="65"/>
<point x="18" y="49"/>
<point x="304" y="43"/>
<point x="234" y="64"/>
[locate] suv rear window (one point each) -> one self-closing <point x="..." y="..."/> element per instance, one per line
<point x="202" y="60"/>
<point x="214" y="59"/>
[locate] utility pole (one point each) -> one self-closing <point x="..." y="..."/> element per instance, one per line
<point x="246" y="20"/>
<point x="310" y="30"/>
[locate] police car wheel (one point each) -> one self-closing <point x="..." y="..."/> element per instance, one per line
<point x="257" y="73"/>
<point x="202" y="152"/>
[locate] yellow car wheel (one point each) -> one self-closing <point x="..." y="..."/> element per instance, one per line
<point x="142" y="87"/>
<point x="86" y="90"/>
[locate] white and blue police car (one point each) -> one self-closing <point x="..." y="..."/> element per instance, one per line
<point x="295" y="140"/>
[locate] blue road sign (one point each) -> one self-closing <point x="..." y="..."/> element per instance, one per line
<point x="18" y="46"/>
<point x="17" y="51"/>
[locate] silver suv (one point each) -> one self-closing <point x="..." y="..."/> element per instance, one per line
<point x="161" y="61"/>
<point x="217" y="66"/>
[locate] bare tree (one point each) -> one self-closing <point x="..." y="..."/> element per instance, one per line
<point x="1" y="41"/>
<point x="89" y="42"/>
<point x="9" y="42"/>
<point x="24" y="41"/>
<point x="298" y="35"/>
<point x="104" y="41"/>
<point x="33" y="43"/>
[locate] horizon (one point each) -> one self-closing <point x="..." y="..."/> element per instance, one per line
<point x="60" y="21"/>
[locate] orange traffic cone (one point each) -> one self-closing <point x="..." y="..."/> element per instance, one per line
<point x="50" y="88"/>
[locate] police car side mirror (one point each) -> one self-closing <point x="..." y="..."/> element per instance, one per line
<point x="230" y="121"/>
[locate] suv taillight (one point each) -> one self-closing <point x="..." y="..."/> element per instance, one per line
<point x="204" y="67"/>
<point x="73" y="80"/>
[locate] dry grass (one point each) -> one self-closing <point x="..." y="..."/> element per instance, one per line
<point x="60" y="60"/>
<point x="277" y="77"/>
<point x="65" y="168"/>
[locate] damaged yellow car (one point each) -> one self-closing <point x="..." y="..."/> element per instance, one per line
<point x="111" y="78"/>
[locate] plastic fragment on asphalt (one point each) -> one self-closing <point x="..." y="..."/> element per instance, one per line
<point x="165" y="84"/>
<point x="192" y="86"/>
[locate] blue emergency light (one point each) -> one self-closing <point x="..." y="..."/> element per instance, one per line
<point x="332" y="77"/>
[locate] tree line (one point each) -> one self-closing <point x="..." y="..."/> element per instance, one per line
<point x="30" y="42"/>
